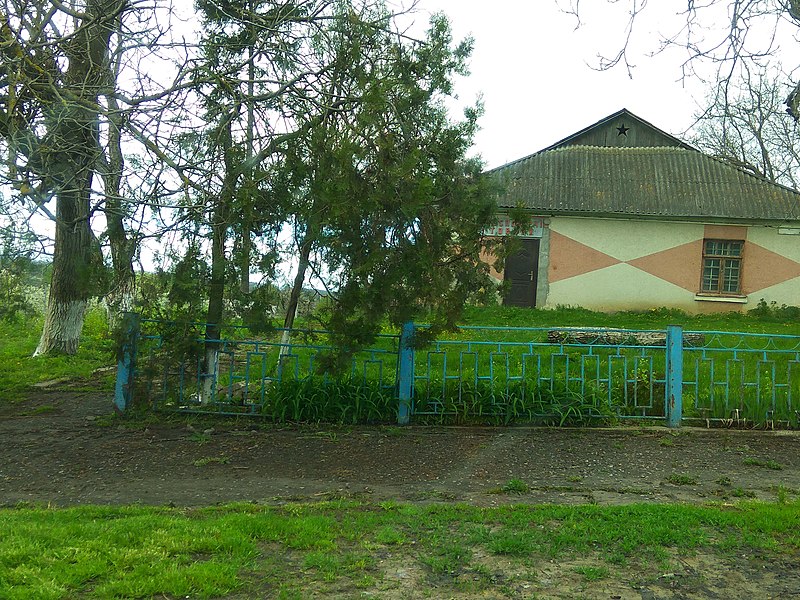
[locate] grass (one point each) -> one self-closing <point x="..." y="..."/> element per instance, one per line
<point x="19" y="370"/>
<point x="337" y="548"/>
<point x="593" y="573"/>
<point x="208" y="460"/>
<point x="657" y="318"/>
<point x="682" y="479"/>
<point x="767" y="464"/>
<point x="513" y="486"/>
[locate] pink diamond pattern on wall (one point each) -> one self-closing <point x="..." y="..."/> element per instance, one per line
<point x="569" y="258"/>
<point x="764" y="268"/>
<point x="679" y="265"/>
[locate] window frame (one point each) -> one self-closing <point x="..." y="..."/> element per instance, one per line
<point x="723" y="260"/>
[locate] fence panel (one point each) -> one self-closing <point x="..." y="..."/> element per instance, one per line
<point x="742" y="379"/>
<point x="254" y="377"/>
<point x="560" y="376"/>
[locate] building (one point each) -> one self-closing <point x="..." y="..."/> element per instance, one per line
<point x="628" y="217"/>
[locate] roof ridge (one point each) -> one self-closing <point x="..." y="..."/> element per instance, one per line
<point x="612" y="149"/>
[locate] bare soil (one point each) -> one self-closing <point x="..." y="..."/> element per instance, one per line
<point x="66" y="447"/>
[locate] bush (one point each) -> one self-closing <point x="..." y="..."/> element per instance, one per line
<point x="773" y="312"/>
<point x="14" y="303"/>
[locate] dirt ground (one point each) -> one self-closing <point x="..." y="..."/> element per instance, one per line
<point x="65" y="447"/>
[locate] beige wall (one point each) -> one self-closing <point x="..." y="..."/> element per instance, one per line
<point x="618" y="264"/>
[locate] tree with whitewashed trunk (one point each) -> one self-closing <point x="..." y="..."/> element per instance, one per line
<point x="54" y="62"/>
<point x="64" y="123"/>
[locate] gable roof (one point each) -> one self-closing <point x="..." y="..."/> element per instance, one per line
<point x="592" y="173"/>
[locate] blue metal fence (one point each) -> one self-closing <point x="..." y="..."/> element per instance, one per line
<point x="743" y="379"/>
<point x="165" y="364"/>
<point x="560" y="376"/>
<point x="477" y="374"/>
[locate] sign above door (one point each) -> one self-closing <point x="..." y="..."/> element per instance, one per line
<point x="506" y="227"/>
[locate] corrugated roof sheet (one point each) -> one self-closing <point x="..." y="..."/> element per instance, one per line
<point x="646" y="182"/>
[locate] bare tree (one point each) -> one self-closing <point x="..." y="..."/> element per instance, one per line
<point x="750" y="128"/>
<point x="729" y="37"/>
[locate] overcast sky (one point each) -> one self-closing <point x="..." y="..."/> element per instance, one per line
<point x="532" y="67"/>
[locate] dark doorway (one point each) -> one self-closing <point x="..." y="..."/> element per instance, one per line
<point x="521" y="272"/>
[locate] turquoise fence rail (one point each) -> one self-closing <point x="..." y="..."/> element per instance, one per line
<point x="497" y="375"/>
<point x="166" y="365"/>
<point x="743" y="379"/>
<point x="556" y="376"/>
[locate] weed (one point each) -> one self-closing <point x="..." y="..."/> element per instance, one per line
<point x="743" y="493"/>
<point x="782" y="495"/>
<point x="514" y="486"/>
<point x="574" y="478"/>
<point x="39" y="410"/>
<point x="667" y="441"/>
<point x="682" y="479"/>
<point x="769" y="464"/>
<point x="396" y="431"/>
<point x="220" y="460"/>
<point x="593" y="573"/>
<point x="390" y="536"/>
<point x="331" y="436"/>
<point x="726" y="481"/>
<point x="105" y="420"/>
<point x="200" y="438"/>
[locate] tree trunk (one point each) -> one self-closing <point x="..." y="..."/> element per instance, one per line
<point x="71" y="281"/>
<point x="68" y="157"/>
<point x="216" y="297"/>
<point x="120" y="296"/>
<point x="294" y="296"/>
<point x="216" y="293"/>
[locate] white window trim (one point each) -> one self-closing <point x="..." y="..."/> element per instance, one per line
<point x="731" y="299"/>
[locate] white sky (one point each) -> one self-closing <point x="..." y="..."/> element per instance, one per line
<point x="532" y="66"/>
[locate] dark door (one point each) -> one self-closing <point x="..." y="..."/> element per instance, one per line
<point x="521" y="271"/>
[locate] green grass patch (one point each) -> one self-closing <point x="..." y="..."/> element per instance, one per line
<point x="767" y="464"/>
<point x="513" y="486"/>
<point x="682" y="479"/>
<point x="19" y="370"/>
<point x="593" y="573"/>
<point x="657" y="318"/>
<point x="291" y="550"/>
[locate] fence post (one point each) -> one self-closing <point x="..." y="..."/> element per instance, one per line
<point x="126" y="354"/>
<point x="405" y="383"/>
<point x="674" y="375"/>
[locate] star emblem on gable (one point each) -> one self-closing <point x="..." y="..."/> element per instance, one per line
<point x="623" y="130"/>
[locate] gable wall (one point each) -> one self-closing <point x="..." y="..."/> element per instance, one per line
<point x="622" y="264"/>
<point x="636" y="134"/>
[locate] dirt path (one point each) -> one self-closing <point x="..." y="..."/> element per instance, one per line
<point x="65" y="448"/>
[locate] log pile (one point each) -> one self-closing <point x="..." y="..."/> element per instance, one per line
<point x="614" y="337"/>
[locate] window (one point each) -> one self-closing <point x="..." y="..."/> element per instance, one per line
<point x="722" y="267"/>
